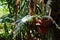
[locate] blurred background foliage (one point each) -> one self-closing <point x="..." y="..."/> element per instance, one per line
<point x="7" y="10"/>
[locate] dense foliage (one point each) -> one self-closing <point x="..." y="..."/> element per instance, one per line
<point x="33" y="29"/>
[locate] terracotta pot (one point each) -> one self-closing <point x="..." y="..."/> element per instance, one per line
<point x="43" y="26"/>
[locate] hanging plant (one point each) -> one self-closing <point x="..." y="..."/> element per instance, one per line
<point x="43" y="25"/>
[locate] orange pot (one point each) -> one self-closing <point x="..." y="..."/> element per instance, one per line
<point x="43" y="26"/>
